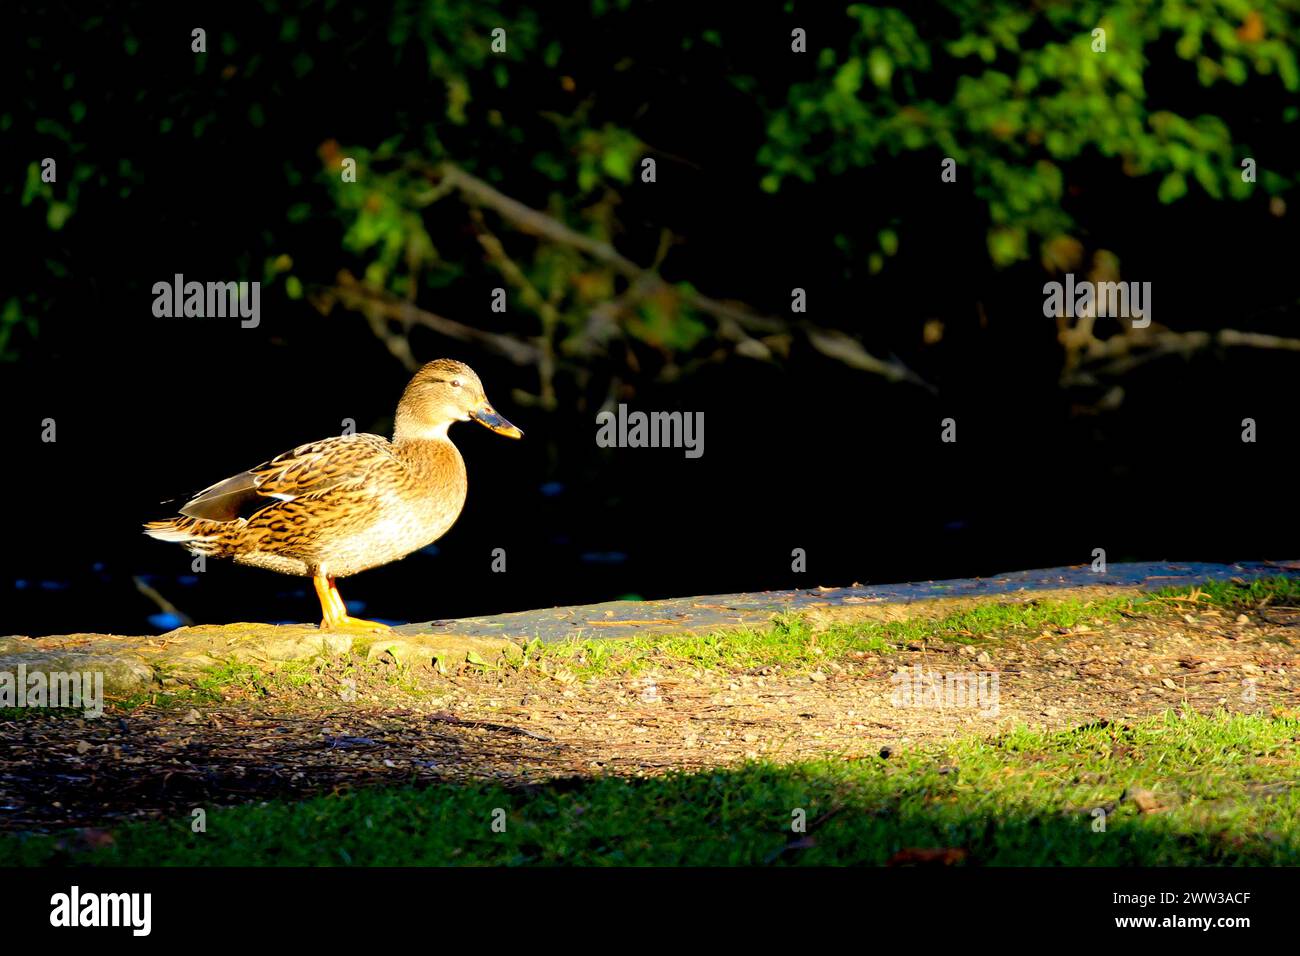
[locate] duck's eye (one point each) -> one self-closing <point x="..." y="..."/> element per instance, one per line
<point x="455" y="383"/>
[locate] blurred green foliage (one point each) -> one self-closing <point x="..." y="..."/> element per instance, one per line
<point x="1018" y="96"/>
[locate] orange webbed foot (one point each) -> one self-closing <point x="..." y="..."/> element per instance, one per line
<point x="336" y="617"/>
<point x="354" y="625"/>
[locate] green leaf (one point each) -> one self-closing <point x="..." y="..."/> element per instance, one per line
<point x="881" y="67"/>
<point x="848" y="78"/>
<point x="1172" y="187"/>
<point x="888" y="242"/>
<point x="57" y="215"/>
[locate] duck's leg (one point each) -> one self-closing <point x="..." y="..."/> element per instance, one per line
<point x="335" y="613"/>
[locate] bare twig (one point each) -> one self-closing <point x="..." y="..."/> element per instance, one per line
<point x="1257" y="340"/>
<point x="532" y="298"/>
<point x="534" y="222"/>
<point x="164" y="605"/>
<point x="530" y="220"/>
<point x="380" y="306"/>
<point x="1122" y="353"/>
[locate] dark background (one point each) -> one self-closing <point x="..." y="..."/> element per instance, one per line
<point x="802" y="451"/>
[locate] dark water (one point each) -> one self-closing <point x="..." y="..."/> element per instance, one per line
<point x="848" y="469"/>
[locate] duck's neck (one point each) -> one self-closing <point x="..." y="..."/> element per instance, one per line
<point x="420" y="442"/>
<point x="415" y="433"/>
<point x="428" y="452"/>
<point x="410" y="425"/>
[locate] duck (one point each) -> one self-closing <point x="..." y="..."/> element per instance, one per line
<point x="335" y="507"/>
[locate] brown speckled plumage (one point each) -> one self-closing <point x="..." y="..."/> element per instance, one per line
<point x="341" y="505"/>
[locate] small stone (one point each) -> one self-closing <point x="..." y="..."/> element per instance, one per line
<point x="336" y="643"/>
<point x="1144" y="800"/>
<point x="1242" y="619"/>
<point x="817" y="677"/>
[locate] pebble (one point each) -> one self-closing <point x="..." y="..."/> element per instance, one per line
<point x="1145" y="800"/>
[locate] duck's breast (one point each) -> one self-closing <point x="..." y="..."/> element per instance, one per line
<point x="412" y="512"/>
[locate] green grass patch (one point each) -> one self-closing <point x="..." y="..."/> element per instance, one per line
<point x="795" y="646"/>
<point x="1276" y="592"/>
<point x="1228" y="783"/>
<point x="213" y="685"/>
<point x="28" y="713"/>
<point x="789" y="643"/>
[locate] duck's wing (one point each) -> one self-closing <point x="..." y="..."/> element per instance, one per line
<point x="310" y="469"/>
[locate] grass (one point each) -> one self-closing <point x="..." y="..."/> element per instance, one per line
<point x="790" y="644"/>
<point x="28" y="713"/>
<point x="1241" y="596"/>
<point x="270" y="679"/>
<point x="794" y="645"/>
<point x="211" y="686"/>
<point x="1227" y="784"/>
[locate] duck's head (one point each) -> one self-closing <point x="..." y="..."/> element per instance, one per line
<point x="442" y="392"/>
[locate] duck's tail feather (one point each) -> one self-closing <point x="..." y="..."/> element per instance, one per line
<point x="215" y="539"/>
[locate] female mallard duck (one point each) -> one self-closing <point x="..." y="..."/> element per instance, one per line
<point x="342" y="505"/>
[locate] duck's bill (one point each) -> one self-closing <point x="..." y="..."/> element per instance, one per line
<point x="490" y="419"/>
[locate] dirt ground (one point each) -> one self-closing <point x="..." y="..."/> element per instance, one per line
<point x="522" y="726"/>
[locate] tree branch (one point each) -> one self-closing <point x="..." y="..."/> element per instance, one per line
<point x="379" y="305"/>
<point x="1122" y="353"/>
<point x="830" y="342"/>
